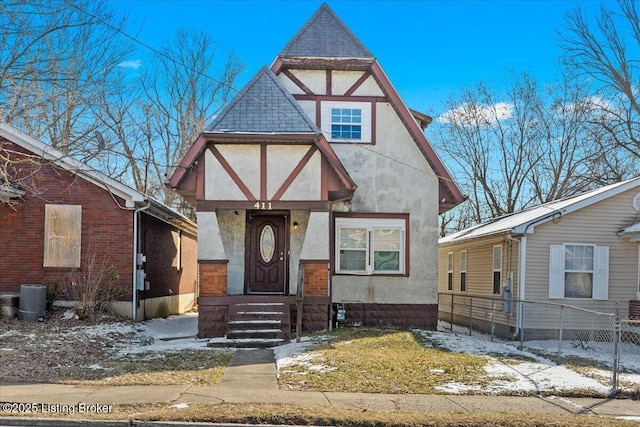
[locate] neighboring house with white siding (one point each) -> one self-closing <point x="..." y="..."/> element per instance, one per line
<point x="582" y="251"/>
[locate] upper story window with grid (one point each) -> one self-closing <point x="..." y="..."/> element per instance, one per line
<point x="346" y="123"/>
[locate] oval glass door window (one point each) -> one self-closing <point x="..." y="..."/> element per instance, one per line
<point x="267" y="243"/>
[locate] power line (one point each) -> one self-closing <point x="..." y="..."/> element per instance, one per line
<point x="231" y="87"/>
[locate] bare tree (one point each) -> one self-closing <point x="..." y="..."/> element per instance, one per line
<point x="183" y="86"/>
<point x="567" y="142"/>
<point x="607" y="51"/>
<point x="495" y="144"/>
<point x="530" y="146"/>
<point x="56" y="59"/>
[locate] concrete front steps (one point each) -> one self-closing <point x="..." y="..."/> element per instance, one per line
<point x="256" y="322"/>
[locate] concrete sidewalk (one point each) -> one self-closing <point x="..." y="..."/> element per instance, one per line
<point x="251" y="378"/>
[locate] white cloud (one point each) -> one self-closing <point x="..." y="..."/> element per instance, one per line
<point x="486" y="114"/>
<point x="134" y="64"/>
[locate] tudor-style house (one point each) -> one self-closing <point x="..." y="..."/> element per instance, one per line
<point x="317" y="182"/>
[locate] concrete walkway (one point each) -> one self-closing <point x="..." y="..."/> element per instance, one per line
<point x="251" y="378"/>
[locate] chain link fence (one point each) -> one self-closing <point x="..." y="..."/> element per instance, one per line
<point x="569" y="335"/>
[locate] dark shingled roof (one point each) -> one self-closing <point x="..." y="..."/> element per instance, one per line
<point x="263" y="106"/>
<point x="326" y="36"/>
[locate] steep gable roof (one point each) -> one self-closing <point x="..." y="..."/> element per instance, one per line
<point x="263" y="106"/>
<point x="524" y="222"/>
<point x="326" y="36"/>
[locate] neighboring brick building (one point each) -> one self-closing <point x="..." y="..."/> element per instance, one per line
<point x="317" y="182"/>
<point x="70" y="212"/>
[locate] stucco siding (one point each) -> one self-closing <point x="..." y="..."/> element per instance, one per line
<point x="597" y="224"/>
<point x="243" y="160"/>
<point x="313" y="79"/>
<point x="232" y="228"/>
<point x="394" y="177"/>
<point x="369" y="88"/>
<point x="341" y="81"/>
<point x="307" y="185"/>
<point x="281" y="161"/>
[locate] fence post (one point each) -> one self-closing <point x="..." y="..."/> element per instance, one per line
<point x="493" y="310"/>
<point x="470" y="314"/>
<point x="616" y="350"/>
<point x="560" y="332"/>
<point x="521" y="321"/>
<point x="451" y="314"/>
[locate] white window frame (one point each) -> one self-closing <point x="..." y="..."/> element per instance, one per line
<point x="366" y="117"/>
<point x="496" y="269"/>
<point x="464" y="261"/>
<point x="450" y="267"/>
<point x="370" y="225"/>
<point x="557" y="270"/>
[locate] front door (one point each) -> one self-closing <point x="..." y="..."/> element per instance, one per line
<point x="267" y="253"/>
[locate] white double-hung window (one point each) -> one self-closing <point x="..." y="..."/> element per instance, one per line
<point x="579" y="271"/>
<point x="346" y="121"/>
<point x="370" y="245"/>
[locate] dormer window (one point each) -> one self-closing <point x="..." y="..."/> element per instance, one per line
<point x="347" y="122"/>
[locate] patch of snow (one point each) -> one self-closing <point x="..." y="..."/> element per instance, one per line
<point x="509" y="369"/>
<point x="180" y="406"/>
<point x="97" y="367"/>
<point x="68" y="314"/>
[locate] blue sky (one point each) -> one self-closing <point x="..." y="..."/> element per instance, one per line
<point x="429" y="49"/>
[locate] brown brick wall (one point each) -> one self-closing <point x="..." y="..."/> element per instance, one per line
<point x="634" y="310"/>
<point x="105" y="228"/>
<point x="212" y="277"/>
<point x="158" y="245"/>
<point x="316" y="278"/>
<point x="400" y="315"/>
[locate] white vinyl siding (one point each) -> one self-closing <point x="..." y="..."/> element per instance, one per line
<point x="579" y="271"/>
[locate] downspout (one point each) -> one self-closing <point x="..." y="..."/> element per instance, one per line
<point x="522" y="267"/>
<point x="134" y="286"/>
<point x="522" y="243"/>
<point x="522" y="263"/>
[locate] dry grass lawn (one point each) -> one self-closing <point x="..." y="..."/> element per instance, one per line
<point x="379" y="360"/>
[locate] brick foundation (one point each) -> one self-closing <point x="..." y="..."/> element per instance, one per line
<point x="316" y="278"/>
<point x="212" y="276"/>
<point x="634" y="310"/>
<point x="212" y="320"/>
<point x="401" y="315"/>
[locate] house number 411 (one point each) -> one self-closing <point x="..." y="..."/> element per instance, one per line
<point x="262" y="205"/>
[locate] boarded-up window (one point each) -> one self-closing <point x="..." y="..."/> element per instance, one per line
<point x="177" y="244"/>
<point x="62" y="231"/>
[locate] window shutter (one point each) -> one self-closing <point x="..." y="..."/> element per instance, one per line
<point x="556" y="271"/>
<point x="601" y="274"/>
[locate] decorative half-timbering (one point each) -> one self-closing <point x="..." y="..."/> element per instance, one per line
<point x="317" y="183"/>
